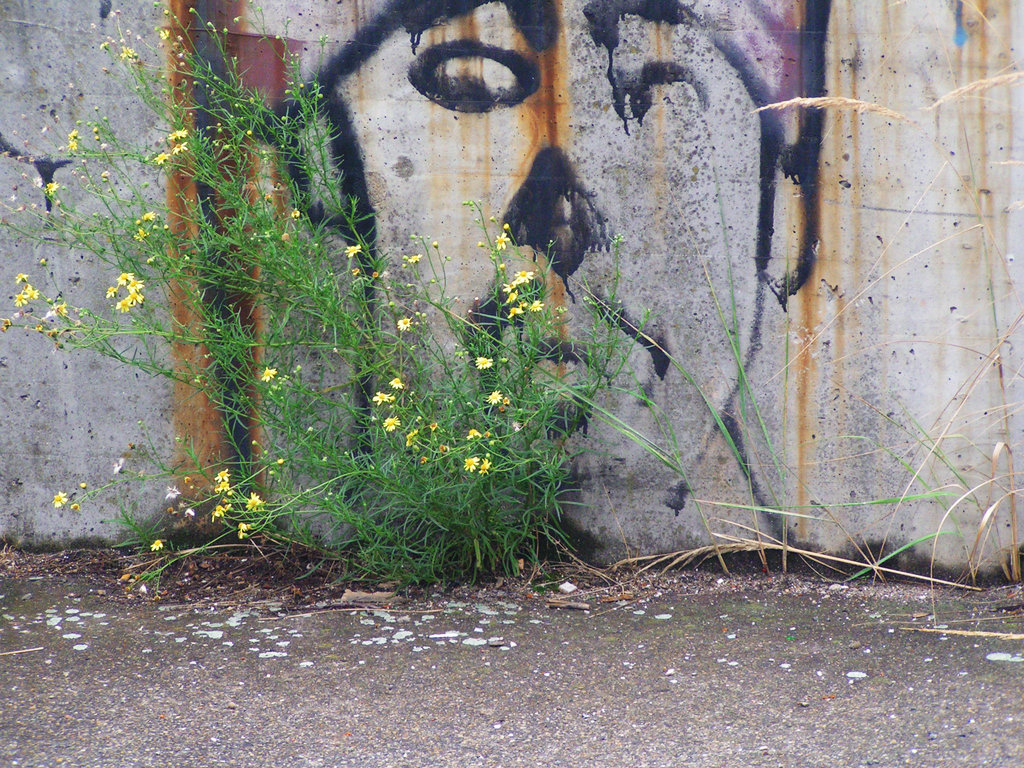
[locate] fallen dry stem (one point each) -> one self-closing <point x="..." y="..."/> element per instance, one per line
<point x="967" y="633"/>
<point x="684" y="557"/>
<point x="23" y="650"/>
<point x="846" y="561"/>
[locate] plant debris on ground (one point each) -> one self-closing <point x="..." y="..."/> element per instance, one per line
<point x="303" y="584"/>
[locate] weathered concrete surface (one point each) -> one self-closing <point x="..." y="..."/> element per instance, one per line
<point x="890" y="239"/>
<point x="66" y="419"/>
<point x="780" y="673"/>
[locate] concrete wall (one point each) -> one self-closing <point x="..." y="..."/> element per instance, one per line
<point x="837" y="287"/>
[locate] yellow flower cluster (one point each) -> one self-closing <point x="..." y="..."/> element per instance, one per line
<point x="476" y="464"/>
<point x="27" y="293"/>
<point x="223" y="479"/>
<point x="511" y="290"/>
<point x="133" y="285"/>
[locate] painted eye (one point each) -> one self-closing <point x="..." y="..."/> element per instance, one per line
<point x="468" y="76"/>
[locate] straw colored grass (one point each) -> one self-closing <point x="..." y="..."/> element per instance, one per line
<point x="979" y="86"/>
<point x="841" y="103"/>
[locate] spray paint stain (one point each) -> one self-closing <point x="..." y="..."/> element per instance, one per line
<point x="960" y="36"/>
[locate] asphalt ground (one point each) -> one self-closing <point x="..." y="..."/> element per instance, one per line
<point x="696" y="671"/>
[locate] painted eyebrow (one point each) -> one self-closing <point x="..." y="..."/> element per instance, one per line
<point x="536" y="20"/>
<point x="604" y="16"/>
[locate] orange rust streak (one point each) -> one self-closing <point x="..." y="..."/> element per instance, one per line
<point x="661" y="41"/>
<point x="544" y="120"/>
<point x="195" y="418"/>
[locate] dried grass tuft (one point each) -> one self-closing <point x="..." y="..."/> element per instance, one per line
<point x="979" y="86"/>
<point x="838" y="102"/>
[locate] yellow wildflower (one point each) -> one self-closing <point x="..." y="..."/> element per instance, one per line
<point x="411" y="438"/>
<point x="20" y="300"/>
<point x="296" y="213"/>
<point x="21" y="277"/>
<point x="60" y="499"/>
<point x="494" y="398"/>
<point x="353" y="250"/>
<point x="61" y="309"/>
<point x="73" y="140"/>
<point x="501" y="241"/>
<point x="471" y="464"/>
<point x="148" y="216"/>
<point x="404" y="324"/>
<point x="125" y="304"/>
<point x="157" y="545"/>
<point x="243" y="530"/>
<point x="268" y="374"/>
<point x="391" y="423"/>
<point x="51" y="189"/>
<point x="254" y="502"/>
<point x="128" y="53"/>
<point x="485" y="465"/>
<point x="473" y="434"/>
<point x="396" y="383"/>
<point x="30" y="293"/>
<point x="522" y="277"/>
<point x="414" y="258"/>
<point x="111" y="292"/>
<point x="162" y="158"/>
<point x="536" y="306"/>
<point x="223" y="479"/>
<point x="382" y="398"/>
<point x="512" y="296"/>
<point x="484" y="362"/>
<point x="513" y="311"/>
<point x="178" y="135"/>
<point x="140" y="234"/>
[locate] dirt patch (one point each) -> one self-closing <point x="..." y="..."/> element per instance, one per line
<point x="303" y="582"/>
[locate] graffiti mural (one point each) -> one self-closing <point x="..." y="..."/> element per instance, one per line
<point x="574" y="122"/>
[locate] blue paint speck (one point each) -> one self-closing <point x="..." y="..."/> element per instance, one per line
<point x="960" y="36"/>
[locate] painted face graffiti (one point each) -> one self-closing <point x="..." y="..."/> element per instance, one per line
<point x="574" y="122"/>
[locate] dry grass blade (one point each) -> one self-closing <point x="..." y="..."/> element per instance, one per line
<point x="683" y="558"/>
<point x="838" y="102"/>
<point x="846" y="561"/>
<point x="978" y="86"/>
<point x="967" y="633"/>
<point x="22" y="650"/>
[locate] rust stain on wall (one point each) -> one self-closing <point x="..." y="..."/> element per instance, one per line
<point x="195" y="418"/>
<point x="262" y="67"/>
<point x="545" y="122"/>
<point x="661" y="50"/>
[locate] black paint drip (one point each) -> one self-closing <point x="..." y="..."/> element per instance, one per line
<point x="45" y="166"/>
<point x="553" y="214"/>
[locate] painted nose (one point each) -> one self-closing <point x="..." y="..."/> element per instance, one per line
<point x="554" y="214"/>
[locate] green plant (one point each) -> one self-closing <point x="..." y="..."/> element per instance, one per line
<point x="359" y="409"/>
